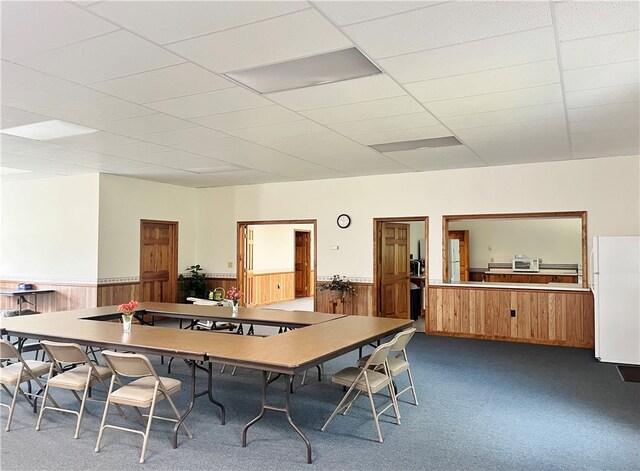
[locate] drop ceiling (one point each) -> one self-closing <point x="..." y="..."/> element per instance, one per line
<point x="514" y="82"/>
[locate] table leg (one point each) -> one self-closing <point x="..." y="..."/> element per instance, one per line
<point x="195" y="395"/>
<point x="286" y="409"/>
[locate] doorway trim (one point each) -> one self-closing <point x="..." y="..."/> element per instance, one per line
<point x="377" y="227"/>
<point x="241" y="226"/>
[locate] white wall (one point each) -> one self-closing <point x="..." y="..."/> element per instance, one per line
<point x="50" y="229"/>
<point x="274" y="247"/>
<point x="123" y="203"/>
<point x="609" y="189"/>
<point x="552" y="240"/>
<point x="416" y="234"/>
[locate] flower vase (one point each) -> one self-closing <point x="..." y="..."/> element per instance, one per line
<point x="234" y="305"/>
<point x="126" y="323"/>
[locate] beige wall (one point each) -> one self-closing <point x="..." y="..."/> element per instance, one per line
<point x="609" y="189"/>
<point x="273" y="247"/>
<point x="123" y="203"/>
<point x="50" y="230"/>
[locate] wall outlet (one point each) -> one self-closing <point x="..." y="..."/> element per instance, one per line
<point x="278" y="285"/>
<point x="513" y="313"/>
<point x="229" y="264"/>
<point x="492" y="260"/>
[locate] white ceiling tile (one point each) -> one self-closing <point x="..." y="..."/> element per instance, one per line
<point x="218" y="101"/>
<point x="364" y="110"/>
<point x="603" y="96"/>
<point x="218" y="148"/>
<point x="132" y="151"/>
<point x="447" y="24"/>
<point x="388" y="123"/>
<point x="410" y="134"/>
<point x="438" y="158"/>
<point x="606" y="143"/>
<point x="617" y="111"/>
<point x="263" y="116"/>
<point x="12" y="117"/>
<point x="181" y="136"/>
<point x="104" y="57"/>
<point x="96" y="141"/>
<point x="161" y="84"/>
<point x="492" y="53"/>
<point x="47" y="91"/>
<point x="609" y="49"/>
<point x="509" y="116"/>
<point x="346" y="13"/>
<point x="29" y="28"/>
<point x="583" y="19"/>
<point x="531" y="129"/>
<point x="173" y="21"/>
<point x="489" y="81"/>
<point x="300" y="34"/>
<point x="92" y="112"/>
<point x="295" y="128"/>
<point x="13" y="73"/>
<point x="314" y="145"/>
<point x="496" y="101"/>
<point x="339" y="93"/>
<point x="506" y="151"/>
<point x="602" y="76"/>
<point x="173" y="158"/>
<point x="629" y="124"/>
<point x="144" y="124"/>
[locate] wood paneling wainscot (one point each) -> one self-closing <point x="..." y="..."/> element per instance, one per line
<point x="359" y="305"/>
<point x="117" y="293"/>
<point x="65" y="298"/>
<point x="542" y="317"/>
<point x="265" y="287"/>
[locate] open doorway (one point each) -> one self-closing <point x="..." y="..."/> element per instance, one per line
<point x="276" y="263"/>
<point x="400" y="268"/>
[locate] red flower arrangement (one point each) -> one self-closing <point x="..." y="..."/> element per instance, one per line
<point x="234" y="294"/>
<point x="127" y="309"/>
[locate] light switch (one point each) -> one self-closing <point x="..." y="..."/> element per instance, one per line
<point x="335" y="247"/>
<point x="229" y="264"/>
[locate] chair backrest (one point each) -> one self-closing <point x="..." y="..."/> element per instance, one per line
<point x="70" y="353"/>
<point x="402" y="339"/>
<point x="379" y="355"/>
<point x="129" y="364"/>
<point x="8" y="351"/>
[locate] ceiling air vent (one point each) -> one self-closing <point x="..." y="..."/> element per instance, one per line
<point x="418" y="144"/>
<point x="306" y="72"/>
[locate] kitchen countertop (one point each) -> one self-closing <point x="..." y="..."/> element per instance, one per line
<point x="499" y="271"/>
<point x="533" y="286"/>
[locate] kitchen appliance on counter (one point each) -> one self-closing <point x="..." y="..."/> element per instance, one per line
<point x="524" y="263"/>
<point x="615" y="282"/>
<point x="415" y="267"/>
<point x="454" y="260"/>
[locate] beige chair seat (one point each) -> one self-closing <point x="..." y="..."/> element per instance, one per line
<point x="396" y="365"/>
<point x="139" y="393"/>
<point x="347" y="376"/>
<point x="9" y="374"/>
<point x="76" y="379"/>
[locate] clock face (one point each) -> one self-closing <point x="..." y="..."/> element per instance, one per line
<point x="343" y="221"/>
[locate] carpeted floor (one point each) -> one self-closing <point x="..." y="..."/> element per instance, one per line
<point x="483" y="405"/>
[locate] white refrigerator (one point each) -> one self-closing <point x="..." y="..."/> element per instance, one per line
<point x="615" y="267"/>
<point x="454" y="260"/>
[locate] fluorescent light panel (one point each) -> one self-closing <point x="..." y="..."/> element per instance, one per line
<point x="306" y="72"/>
<point x="45" y="130"/>
<point x="418" y="144"/>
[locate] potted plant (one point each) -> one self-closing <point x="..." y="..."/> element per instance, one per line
<point x="340" y="286"/>
<point x="194" y="284"/>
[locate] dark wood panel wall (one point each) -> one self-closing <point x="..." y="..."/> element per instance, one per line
<point x="359" y="305"/>
<point x="543" y="317"/>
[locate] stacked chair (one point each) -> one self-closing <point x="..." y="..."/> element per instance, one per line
<point x="14" y="371"/>
<point x="145" y="391"/>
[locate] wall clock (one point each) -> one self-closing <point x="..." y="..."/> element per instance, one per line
<point x="344" y="221"/>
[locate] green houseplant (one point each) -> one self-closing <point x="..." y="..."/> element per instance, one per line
<point x="194" y="284"/>
<point x="340" y="286"/>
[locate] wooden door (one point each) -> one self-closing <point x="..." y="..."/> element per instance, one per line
<point x="248" y="291"/>
<point x="394" y="271"/>
<point x="463" y="237"/>
<point x="302" y="264"/>
<point x="158" y="261"/>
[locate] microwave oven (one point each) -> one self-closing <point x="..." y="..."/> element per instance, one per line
<point x="525" y="264"/>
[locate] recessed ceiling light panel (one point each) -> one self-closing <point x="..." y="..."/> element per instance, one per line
<point x="418" y="144"/>
<point x="306" y="72"/>
<point x="45" y="130"/>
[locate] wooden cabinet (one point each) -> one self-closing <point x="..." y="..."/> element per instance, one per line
<point x="546" y="317"/>
<point x="528" y="278"/>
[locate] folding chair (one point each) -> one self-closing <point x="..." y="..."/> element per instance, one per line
<point x="145" y="391"/>
<point x="75" y="372"/>
<point x="14" y="374"/>
<point x="370" y="380"/>
<point x="399" y="363"/>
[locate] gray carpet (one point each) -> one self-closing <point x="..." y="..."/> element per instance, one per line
<point x="483" y="405"/>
